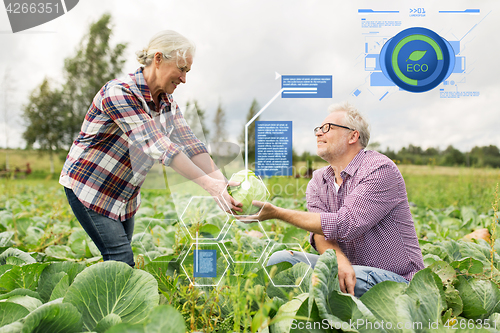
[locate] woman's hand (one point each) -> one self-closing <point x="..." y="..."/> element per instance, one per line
<point x="217" y="183"/>
<point x="218" y="189"/>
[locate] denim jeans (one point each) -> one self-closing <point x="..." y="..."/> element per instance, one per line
<point x="366" y="277"/>
<point x="111" y="237"/>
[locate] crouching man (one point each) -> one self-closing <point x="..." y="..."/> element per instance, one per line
<point x="357" y="205"/>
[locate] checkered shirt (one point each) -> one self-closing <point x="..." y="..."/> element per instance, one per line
<point x="119" y="142"/>
<point x="369" y="216"/>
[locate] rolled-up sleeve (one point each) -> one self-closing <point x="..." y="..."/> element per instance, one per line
<point x="374" y="197"/>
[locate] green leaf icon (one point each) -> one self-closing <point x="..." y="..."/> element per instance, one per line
<point x="416" y="55"/>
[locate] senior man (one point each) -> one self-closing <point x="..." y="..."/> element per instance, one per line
<point x="357" y="206"/>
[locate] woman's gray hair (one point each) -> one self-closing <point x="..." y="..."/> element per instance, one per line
<point x="354" y="120"/>
<point x="171" y="44"/>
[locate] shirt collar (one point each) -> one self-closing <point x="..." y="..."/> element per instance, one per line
<point x="328" y="174"/>
<point x="350" y="169"/>
<point x="354" y="165"/>
<point x="140" y="82"/>
<point x="165" y="99"/>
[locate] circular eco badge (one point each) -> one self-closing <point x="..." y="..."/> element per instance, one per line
<point x="417" y="59"/>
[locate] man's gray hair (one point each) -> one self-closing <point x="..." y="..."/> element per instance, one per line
<point x="171" y="44"/>
<point x="354" y="120"/>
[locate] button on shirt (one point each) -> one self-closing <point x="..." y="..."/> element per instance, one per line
<point x="369" y="216"/>
<point x="123" y="134"/>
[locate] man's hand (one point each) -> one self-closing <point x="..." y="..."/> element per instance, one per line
<point x="303" y="220"/>
<point x="267" y="211"/>
<point x="347" y="277"/>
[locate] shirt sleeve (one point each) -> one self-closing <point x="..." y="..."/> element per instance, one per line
<point x="369" y="202"/>
<point x="124" y="108"/>
<point x="184" y="136"/>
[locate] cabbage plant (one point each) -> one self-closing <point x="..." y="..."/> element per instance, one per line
<point x="245" y="193"/>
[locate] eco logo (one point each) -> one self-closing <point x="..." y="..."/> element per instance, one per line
<point x="25" y="14"/>
<point x="417" y="59"/>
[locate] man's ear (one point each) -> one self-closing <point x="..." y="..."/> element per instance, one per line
<point x="353" y="137"/>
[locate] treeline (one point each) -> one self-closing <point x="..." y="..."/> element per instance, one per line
<point x="486" y="156"/>
<point x="480" y="157"/>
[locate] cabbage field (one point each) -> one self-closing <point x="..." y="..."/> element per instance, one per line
<point x="52" y="278"/>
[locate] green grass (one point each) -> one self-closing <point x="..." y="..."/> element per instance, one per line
<point x="430" y="188"/>
<point x="38" y="161"/>
<point x="440" y="187"/>
<point x="427" y="186"/>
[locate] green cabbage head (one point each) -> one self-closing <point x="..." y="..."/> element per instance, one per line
<point x="257" y="191"/>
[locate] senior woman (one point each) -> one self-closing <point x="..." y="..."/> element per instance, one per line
<point x="133" y="122"/>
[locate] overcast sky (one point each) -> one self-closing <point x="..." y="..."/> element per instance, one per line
<point x="242" y="44"/>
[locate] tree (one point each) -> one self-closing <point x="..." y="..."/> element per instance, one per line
<point x="54" y="117"/>
<point x="195" y="117"/>
<point x="486" y="156"/>
<point x="415" y="150"/>
<point x="453" y="156"/>
<point x="220" y="124"/>
<point x="45" y="119"/>
<point x="222" y="152"/>
<point x="254" y="108"/>
<point x="391" y="154"/>
<point x="94" y="64"/>
<point x="431" y="152"/>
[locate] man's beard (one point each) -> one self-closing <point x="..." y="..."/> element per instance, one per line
<point x="333" y="152"/>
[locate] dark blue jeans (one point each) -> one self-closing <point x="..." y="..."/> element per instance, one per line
<point x="366" y="277"/>
<point x="111" y="237"/>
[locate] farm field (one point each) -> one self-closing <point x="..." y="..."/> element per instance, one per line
<point x="39" y="162"/>
<point x="52" y="278"/>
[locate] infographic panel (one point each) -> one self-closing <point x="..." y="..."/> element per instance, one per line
<point x="417" y="49"/>
<point x="273" y="148"/>
<point x="306" y="86"/>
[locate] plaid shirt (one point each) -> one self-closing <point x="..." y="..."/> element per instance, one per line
<point x="120" y="141"/>
<point x="369" y="216"/>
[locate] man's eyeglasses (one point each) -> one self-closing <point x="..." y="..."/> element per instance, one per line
<point x="326" y="127"/>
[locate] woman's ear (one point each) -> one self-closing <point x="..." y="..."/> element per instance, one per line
<point x="157" y="59"/>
